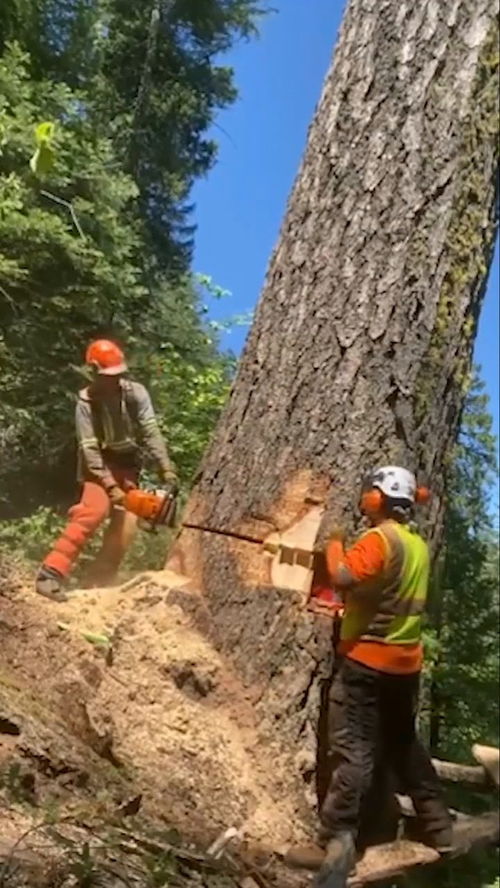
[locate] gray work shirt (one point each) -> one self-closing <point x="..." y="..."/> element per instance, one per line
<point x="117" y="428"/>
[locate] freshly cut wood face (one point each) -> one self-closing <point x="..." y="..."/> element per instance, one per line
<point x="292" y="565"/>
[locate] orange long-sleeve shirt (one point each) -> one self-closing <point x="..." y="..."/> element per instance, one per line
<point x="366" y="560"/>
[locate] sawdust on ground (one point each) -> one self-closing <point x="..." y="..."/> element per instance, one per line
<point x="163" y="701"/>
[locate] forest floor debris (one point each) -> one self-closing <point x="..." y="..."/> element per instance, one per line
<point x="121" y="728"/>
<point x="129" y="675"/>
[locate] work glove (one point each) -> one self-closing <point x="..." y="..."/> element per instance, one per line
<point x="116" y="495"/>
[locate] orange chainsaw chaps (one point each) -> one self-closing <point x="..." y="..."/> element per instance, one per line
<point x="142" y="503"/>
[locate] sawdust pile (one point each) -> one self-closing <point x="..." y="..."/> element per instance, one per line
<point x="132" y="674"/>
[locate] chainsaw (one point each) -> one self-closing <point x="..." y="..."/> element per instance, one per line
<point x="154" y="508"/>
<point x="157" y="508"/>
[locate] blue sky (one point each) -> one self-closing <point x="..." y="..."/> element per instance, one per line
<point x="239" y="207"/>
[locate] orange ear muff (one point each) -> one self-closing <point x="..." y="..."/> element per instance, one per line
<point x="422" y="495"/>
<point x="371" y="501"/>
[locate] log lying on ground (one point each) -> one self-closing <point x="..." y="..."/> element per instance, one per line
<point x="392" y="859"/>
<point x="388" y="861"/>
<point x="473" y="776"/>
<point x="489" y="758"/>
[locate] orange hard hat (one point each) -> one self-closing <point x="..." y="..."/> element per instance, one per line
<point x="106" y="357"/>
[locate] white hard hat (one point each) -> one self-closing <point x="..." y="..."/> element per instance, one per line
<point x="395" y="482"/>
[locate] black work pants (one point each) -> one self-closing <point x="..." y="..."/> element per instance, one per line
<point x="372" y="721"/>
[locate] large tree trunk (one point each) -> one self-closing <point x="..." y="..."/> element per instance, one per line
<point x="361" y="346"/>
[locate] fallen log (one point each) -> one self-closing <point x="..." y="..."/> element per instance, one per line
<point x="470" y="833"/>
<point x="489" y="758"/>
<point x="390" y="860"/>
<point x="407" y="809"/>
<point x="475" y="776"/>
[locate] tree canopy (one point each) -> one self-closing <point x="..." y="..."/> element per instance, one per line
<point x="96" y="236"/>
<point x="149" y="79"/>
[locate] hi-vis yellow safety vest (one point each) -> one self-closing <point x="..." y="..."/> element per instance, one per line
<point x="389" y="608"/>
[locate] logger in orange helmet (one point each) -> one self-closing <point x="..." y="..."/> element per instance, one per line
<point x="106" y="358"/>
<point x="115" y="425"/>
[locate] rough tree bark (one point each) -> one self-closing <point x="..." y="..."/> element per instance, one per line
<point x="361" y="346"/>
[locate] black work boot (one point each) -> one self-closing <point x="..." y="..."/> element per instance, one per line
<point x="339" y="862"/>
<point x="49" y="583"/>
<point x="436" y="831"/>
<point x="441" y="840"/>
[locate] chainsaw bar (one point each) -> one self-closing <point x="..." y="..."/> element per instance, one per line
<point x="300" y="557"/>
<point x="245" y="538"/>
<point x="332" y="610"/>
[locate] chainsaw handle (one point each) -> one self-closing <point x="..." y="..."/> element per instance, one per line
<point x="171" y="488"/>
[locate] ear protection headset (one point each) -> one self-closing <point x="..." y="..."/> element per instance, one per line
<point x="371" y="501"/>
<point x="372" y="498"/>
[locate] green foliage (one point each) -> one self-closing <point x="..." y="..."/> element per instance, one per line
<point x="150" y="79"/>
<point x="30" y="536"/>
<point x="84" y="869"/>
<point x="461" y="688"/>
<point x="43" y="159"/>
<point x="160" y="868"/>
<point x="147" y="552"/>
<point x="56" y="289"/>
<point x="11" y="783"/>
<point x="190" y="406"/>
<point x="93" y="243"/>
<point x="479" y="870"/>
<point x="464" y="669"/>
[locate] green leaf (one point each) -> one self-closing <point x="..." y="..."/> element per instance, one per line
<point x="96" y="639"/>
<point x="43" y="159"/>
<point x="44" y="133"/>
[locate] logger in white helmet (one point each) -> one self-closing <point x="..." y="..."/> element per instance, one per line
<point x="383" y="579"/>
<point x="395" y="482"/>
